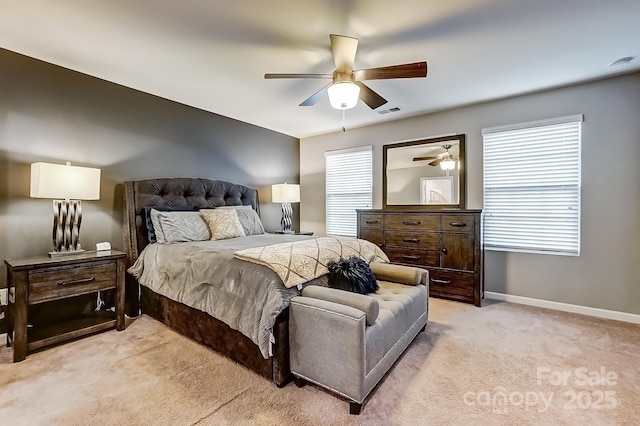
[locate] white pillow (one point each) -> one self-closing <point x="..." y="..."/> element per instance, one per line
<point x="223" y="223"/>
<point x="176" y="227"/>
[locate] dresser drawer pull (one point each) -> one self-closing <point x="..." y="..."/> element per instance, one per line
<point x="441" y="282"/>
<point x="406" y="256"/>
<point x="371" y="222"/>
<point x="74" y="282"/>
<point x="411" y="240"/>
<point x="413" y="222"/>
<point x="458" y="224"/>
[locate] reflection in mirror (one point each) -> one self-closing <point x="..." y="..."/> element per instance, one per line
<point x="426" y="173"/>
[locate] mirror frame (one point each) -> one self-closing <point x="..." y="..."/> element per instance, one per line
<point x="462" y="178"/>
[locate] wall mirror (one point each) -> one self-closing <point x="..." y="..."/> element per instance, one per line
<point x="424" y="174"/>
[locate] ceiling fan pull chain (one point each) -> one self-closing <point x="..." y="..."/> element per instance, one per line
<point x="343" y="129"/>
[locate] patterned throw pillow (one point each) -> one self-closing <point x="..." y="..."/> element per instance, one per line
<point x="223" y="223"/>
<point x="249" y="219"/>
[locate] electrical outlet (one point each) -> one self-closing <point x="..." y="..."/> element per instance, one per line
<point x="4" y="292"/>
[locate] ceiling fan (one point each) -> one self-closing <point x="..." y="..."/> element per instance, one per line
<point x="347" y="85"/>
<point x="445" y="159"/>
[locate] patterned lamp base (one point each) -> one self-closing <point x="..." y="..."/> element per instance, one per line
<point x="67" y="218"/>
<point x="286" y="222"/>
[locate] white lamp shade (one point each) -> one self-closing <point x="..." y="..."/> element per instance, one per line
<point x="343" y="95"/>
<point x="285" y="193"/>
<point x="59" y="181"/>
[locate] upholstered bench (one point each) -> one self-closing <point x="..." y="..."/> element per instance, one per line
<point x="346" y="342"/>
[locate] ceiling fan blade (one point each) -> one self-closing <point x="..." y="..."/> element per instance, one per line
<point x="435" y="162"/>
<point x="414" y="70"/>
<point x="369" y="97"/>
<point x="313" y="99"/>
<point x="344" y="52"/>
<point x="424" y="158"/>
<point x="271" y="76"/>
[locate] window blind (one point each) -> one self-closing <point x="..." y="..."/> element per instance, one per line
<point x="532" y="186"/>
<point x="349" y="186"/>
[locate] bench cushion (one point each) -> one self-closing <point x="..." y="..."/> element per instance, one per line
<point x="400" y="306"/>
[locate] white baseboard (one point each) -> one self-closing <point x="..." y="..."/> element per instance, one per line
<point x="566" y="307"/>
<point x="3" y="296"/>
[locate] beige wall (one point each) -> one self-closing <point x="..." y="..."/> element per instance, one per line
<point x="607" y="273"/>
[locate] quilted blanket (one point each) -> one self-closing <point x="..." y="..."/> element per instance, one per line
<point x="301" y="261"/>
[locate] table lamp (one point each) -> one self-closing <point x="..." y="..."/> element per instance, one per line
<point x="286" y="194"/>
<point x="67" y="185"/>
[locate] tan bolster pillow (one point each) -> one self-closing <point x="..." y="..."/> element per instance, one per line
<point x="398" y="273"/>
<point x="367" y="304"/>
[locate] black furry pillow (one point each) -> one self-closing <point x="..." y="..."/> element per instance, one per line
<point x="352" y="274"/>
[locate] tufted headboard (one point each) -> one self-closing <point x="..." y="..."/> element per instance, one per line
<point x="202" y="193"/>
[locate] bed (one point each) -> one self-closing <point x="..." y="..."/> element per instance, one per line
<point x="214" y="275"/>
<point x="187" y="320"/>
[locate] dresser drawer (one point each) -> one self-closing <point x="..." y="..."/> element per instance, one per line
<point x="410" y="222"/>
<point x="458" y="223"/>
<point x="372" y="234"/>
<point x="57" y="283"/>
<point x="371" y="221"/>
<point x="449" y="282"/>
<point x="427" y="240"/>
<point x="414" y="257"/>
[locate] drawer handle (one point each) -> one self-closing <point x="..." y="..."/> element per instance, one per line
<point x="74" y="282"/>
<point x="411" y="240"/>
<point x="406" y="256"/>
<point x="413" y="223"/>
<point x="444" y="250"/>
<point x="441" y="282"/>
<point x="458" y="224"/>
<point x="371" y="222"/>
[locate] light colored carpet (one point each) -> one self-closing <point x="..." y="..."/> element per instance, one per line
<point x="471" y="366"/>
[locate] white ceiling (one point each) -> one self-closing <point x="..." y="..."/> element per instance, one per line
<point x="212" y="54"/>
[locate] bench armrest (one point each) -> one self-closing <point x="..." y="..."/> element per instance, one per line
<point x="399" y="273"/>
<point x="367" y="304"/>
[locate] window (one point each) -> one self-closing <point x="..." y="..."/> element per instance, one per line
<point x="349" y="183"/>
<point x="532" y="186"/>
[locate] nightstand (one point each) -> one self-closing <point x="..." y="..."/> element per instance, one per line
<point x="40" y="280"/>
<point x="294" y="233"/>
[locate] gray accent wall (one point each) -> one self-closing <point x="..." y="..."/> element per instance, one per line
<point x="606" y="275"/>
<point x="49" y="113"/>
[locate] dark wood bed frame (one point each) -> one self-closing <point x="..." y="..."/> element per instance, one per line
<point x="190" y="322"/>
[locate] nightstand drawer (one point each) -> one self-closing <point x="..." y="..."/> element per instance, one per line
<point x="57" y="283"/>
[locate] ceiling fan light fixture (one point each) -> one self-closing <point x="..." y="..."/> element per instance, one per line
<point x="447" y="164"/>
<point x="343" y="95"/>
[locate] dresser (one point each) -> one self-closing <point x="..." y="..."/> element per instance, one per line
<point x="446" y="242"/>
<point x="37" y="281"/>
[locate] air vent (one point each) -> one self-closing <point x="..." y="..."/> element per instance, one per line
<point x="387" y="111"/>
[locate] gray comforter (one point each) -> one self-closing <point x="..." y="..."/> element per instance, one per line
<point x="205" y="275"/>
